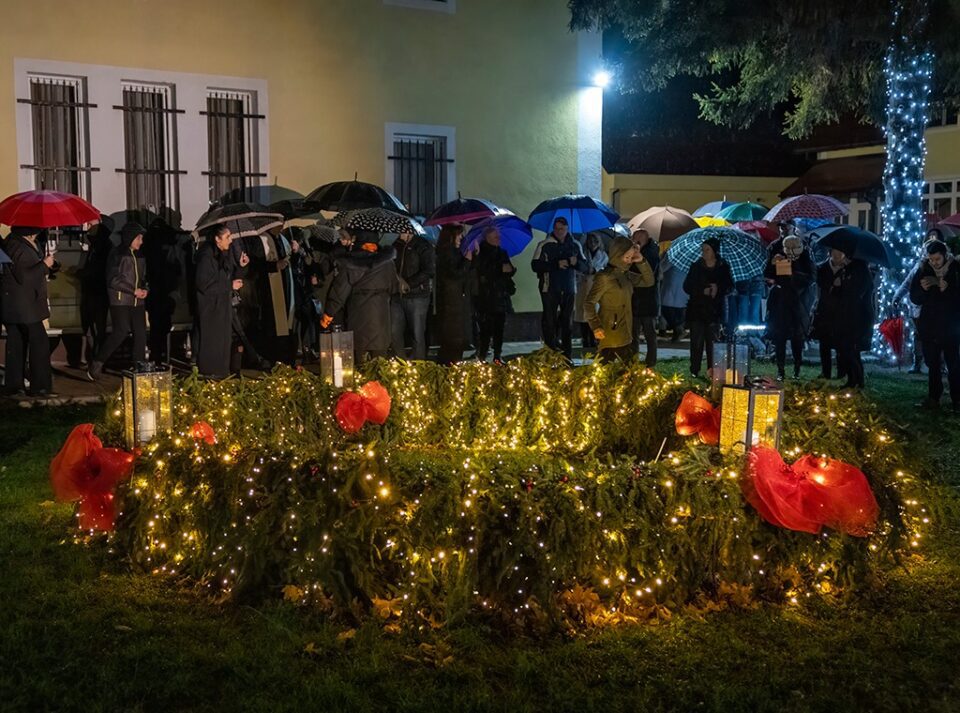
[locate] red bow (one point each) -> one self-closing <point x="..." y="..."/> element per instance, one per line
<point x="696" y="415"/>
<point x="810" y="494"/>
<point x="371" y="403"/>
<point x="86" y="471"/>
<point x="203" y="431"/>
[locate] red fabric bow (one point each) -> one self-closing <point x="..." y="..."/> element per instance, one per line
<point x="810" y="494"/>
<point x="371" y="403"/>
<point x="86" y="471"/>
<point x="696" y="415"/>
<point x="203" y="431"/>
<point x="891" y="330"/>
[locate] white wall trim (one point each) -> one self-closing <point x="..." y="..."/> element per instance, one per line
<point x="105" y="127"/>
<point x="589" y="115"/>
<point x="449" y="7"/>
<point x="391" y="129"/>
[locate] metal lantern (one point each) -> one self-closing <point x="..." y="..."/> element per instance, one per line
<point x="750" y="415"/>
<point x="731" y="365"/>
<point x="147" y="405"/>
<point x="336" y="358"/>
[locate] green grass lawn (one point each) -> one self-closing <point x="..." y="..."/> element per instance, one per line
<point x="77" y="632"/>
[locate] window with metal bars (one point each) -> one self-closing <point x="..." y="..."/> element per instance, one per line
<point x="420" y="171"/>
<point x="233" y="151"/>
<point x="150" y="147"/>
<point x="58" y="114"/>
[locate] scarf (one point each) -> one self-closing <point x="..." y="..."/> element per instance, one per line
<point x="942" y="272"/>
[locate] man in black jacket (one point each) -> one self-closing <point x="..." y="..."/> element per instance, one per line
<point x="416" y="266"/>
<point x="646" y="300"/>
<point x="556" y="261"/>
<point x="24" y="307"/>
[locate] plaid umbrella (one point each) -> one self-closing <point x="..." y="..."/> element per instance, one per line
<point x="743" y="252"/>
<point x="380" y="220"/>
<point x="809" y="205"/>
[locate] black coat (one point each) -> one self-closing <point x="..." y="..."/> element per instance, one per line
<point x="453" y="295"/>
<point x="416" y="265"/>
<point x="546" y="263"/>
<point x="93" y="263"/>
<point x="363" y="287"/>
<point x="939" y="318"/>
<point x="845" y="308"/>
<point x="214" y="284"/>
<point x="494" y="286"/>
<point x="701" y="308"/>
<point x="787" y="313"/>
<point x="646" y="300"/>
<point x="24" y="284"/>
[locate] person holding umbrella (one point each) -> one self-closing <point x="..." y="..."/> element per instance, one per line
<point x="416" y="267"/>
<point x="215" y="285"/>
<point x="936" y="290"/>
<point x="789" y="272"/>
<point x="646" y="298"/>
<point x="453" y="293"/>
<point x="556" y="261"/>
<point x="850" y="297"/>
<point x="126" y="276"/>
<point x="708" y="282"/>
<point x="24" y="307"/>
<point x="494" y="286"/>
<point x="610" y="302"/>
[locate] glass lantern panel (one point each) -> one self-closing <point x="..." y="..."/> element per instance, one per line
<point x="766" y="418"/>
<point x="734" y="418"/>
<point x="336" y="358"/>
<point x="129" y="433"/>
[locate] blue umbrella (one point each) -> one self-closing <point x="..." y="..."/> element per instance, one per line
<point x="711" y="209"/>
<point x="583" y="214"/>
<point x="743" y="252"/>
<point x="5" y="259"/>
<point x="515" y="234"/>
<point x="855" y="242"/>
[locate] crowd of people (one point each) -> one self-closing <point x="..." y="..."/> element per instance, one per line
<point x="263" y="299"/>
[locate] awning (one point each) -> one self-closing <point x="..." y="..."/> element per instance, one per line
<point x="840" y="176"/>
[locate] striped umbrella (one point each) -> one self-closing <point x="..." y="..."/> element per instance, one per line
<point x="808" y="205"/>
<point x="743" y="252"/>
<point x="46" y="209"/>
<point x="243" y="219"/>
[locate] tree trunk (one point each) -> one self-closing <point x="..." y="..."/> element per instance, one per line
<point x="908" y="70"/>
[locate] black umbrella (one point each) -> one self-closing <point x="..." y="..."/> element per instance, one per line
<point x="380" y="220"/>
<point x="355" y="195"/>
<point x="296" y="208"/>
<point x="243" y="219"/>
<point x="464" y="210"/>
<point x="261" y="195"/>
<point x="855" y="242"/>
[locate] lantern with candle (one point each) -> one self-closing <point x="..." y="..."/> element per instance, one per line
<point x="336" y="358"/>
<point x="147" y="404"/>
<point x="731" y="365"/>
<point x="751" y="415"/>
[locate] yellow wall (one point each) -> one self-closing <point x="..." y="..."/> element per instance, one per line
<point x="633" y="193"/>
<point x="943" y="152"/>
<point x="503" y="72"/>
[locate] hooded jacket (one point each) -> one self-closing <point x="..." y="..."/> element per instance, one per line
<point x="416" y="265"/>
<point x="126" y="269"/>
<point x="363" y="286"/>
<point x="546" y="263"/>
<point x="609" y="303"/>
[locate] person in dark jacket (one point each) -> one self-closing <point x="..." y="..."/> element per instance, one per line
<point x="708" y="282"/>
<point x="610" y="301"/>
<point x="825" y="327"/>
<point x="494" y="286"/>
<point x="215" y="284"/>
<point x="646" y="299"/>
<point x="416" y="267"/>
<point x="23" y="307"/>
<point x="162" y="250"/>
<point x="936" y="290"/>
<point x="126" y="279"/>
<point x="453" y="296"/>
<point x="92" y="269"/>
<point x="789" y="272"/>
<point x="365" y="282"/>
<point x="557" y="260"/>
<point x="851" y="298"/>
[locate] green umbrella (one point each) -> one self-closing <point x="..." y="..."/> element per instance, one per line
<point x="739" y="212"/>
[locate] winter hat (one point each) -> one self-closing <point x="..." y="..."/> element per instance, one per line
<point x="715" y="244"/>
<point x="129" y="233"/>
<point x="936" y="246"/>
<point x="618" y="248"/>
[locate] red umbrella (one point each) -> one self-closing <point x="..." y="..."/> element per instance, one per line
<point x="46" y="209"/>
<point x="763" y="229"/>
<point x="891" y="330"/>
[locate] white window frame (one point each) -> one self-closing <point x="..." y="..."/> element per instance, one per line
<point x="448" y="6"/>
<point x="953" y="195"/>
<point x="79" y="82"/>
<point x="107" y="189"/>
<point x="170" y="139"/>
<point x="393" y="130"/>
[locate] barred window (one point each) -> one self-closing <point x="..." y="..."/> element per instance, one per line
<point x="150" y="146"/>
<point x="232" y="141"/>
<point x="421" y="167"/>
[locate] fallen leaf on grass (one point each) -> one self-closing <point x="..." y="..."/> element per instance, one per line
<point x="346" y="635"/>
<point x="292" y="593"/>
